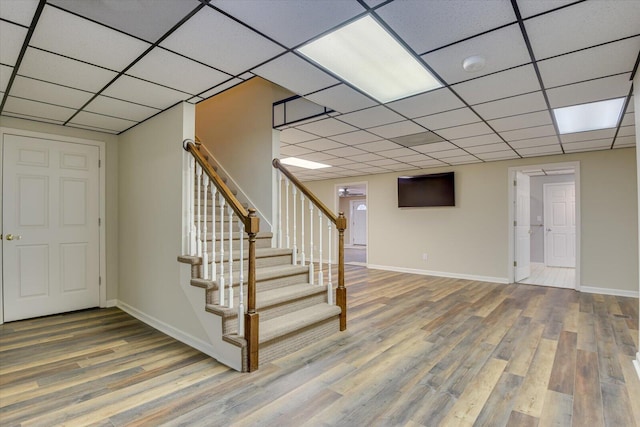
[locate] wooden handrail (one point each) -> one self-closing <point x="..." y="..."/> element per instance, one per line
<point x="341" y="224"/>
<point x="325" y="210"/>
<point x="251" y="227"/>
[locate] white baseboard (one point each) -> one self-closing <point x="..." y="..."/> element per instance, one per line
<point x="181" y="336"/>
<point x="502" y="280"/>
<point x="608" y="291"/>
<point x="111" y="303"/>
<point x="636" y="363"/>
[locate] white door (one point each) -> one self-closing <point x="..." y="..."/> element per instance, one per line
<point x="560" y="224"/>
<point x="359" y="222"/>
<point x="50" y="242"/>
<point x="522" y="227"/>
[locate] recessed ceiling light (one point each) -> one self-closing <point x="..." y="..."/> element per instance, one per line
<point x="301" y="163"/>
<point x="592" y="116"/>
<point x="364" y="54"/>
<point x="473" y="64"/>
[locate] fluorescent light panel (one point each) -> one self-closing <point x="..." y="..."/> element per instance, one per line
<point x="367" y="56"/>
<point x="586" y="117"/>
<point x="301" y="163"/>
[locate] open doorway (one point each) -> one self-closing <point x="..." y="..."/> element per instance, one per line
<point x="545" y="213"/>
<point x="351" y="198"/>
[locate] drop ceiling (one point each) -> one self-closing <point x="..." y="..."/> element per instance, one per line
<point x="108" y="65"/>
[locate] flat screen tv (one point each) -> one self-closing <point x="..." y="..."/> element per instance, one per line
<point x="426" y="190"/>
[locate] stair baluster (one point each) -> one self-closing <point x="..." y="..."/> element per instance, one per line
<point x="302" y="257"/>
<point x="221" y="201"/>
<point x="241" y="281"/>
<point x="329" y="283"/>
<point x="191" y="215"/>
<point x="294" y="192"/>
<point x="286" y="210"/>
<point x="199" y="224"/>
<point x="230" y="237"/>
<point x="320" y="231"/>
<point x="311" y="273"/>
<point x="212" y="275"/>
<point x="279" y="209"/>
<point x="205" y="252"/>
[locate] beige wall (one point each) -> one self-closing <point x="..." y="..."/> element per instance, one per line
<point x="472" y="237"/>
<point x="150" y="214"/>
<point x="111" y="176"/>
<point x="236" y="126"/>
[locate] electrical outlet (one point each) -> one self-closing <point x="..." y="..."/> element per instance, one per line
<point x="425" y="257"/>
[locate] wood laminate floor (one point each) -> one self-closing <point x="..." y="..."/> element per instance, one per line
<point x="419" y="351"/>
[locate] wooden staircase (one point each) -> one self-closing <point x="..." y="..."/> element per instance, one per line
<point x="292" y="312"/>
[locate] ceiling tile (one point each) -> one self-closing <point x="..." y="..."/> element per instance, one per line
<point x="146" y="19"/>
<point x="491" y="138"/>
<point x="383" y="162"/>
<point x="461" y="116"/>
<point x="317" y="156"/>
<point x="368" y="157"/>
<point x="345" y="152"/>
<point x="593" y="90"/>
<point x="293" y="136"/>
<point x="398" y="152"/>
<point x="512" y="106"/>
<point x="450" y="21"/>
<point x="540" y="150"/>
<point x="500" y="85"/>
<point x="11" y="42"/>
<point x="432" y="102"/>
<point x="582" y="25"/>
<point x="31" y="117"/>
<point x="37" y="109"/>
<point x="462" y="160"/>
<point x="414" y="158"/>
<point x="214" y="39"/>
<point x="295" y="74"/>
<point x="397" y="129"/>
<point x="69" y="72"/>
<point x="37" y="90"/>
<point x="534" y="142"/>
<point x="521" y="121"/>
<point x="61" y="32"/>
<point x="320" y="144"/>
<point x="220" y="88"/>
<point x="122" y="109"/>
<point x="628" y="119"/>
<point x="501" y="49"/>
<point x="20" y="12"/>
<point x="631" y="106"/>
<point x="489" y="148"/>
<point x="377" y="146"/>
<point x="405" y="167"/>
<point x="528" y="133"/>
<point x="102" y="122"/>
<point x="293" y="150"/>
<point x="530" y="8"/>
<point x="338" y="161"/>
<point x="498" y="155"/>
<point x="371" y="117"/>
<point x="456" y="152"/>
<point x="341" y="98"/>
<point x="357" y="137"/>
<point x="627" y="131"/>
<point x="291" y="22"/>
<point x="625" y="141"/>
<point x="5" y="75"/>
<point x="596" y="144"/>
<point x="434" y="147"/>
<point x="612" y="58"/>
<point x="140" y="91"/>
<point x="587" y="136"/>
<point x="168" y="69"/>
<point x="428" y="163"/>
<point x="465" y="131"/>
<point x="326" y="127"/>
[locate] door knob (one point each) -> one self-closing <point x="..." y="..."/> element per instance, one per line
<point x="548" y="229"/>
<point x="13" y="237"/>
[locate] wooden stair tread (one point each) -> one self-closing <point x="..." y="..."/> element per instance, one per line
<point x="296" y="320"/>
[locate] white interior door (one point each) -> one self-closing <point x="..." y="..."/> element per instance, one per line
<point x="359" y="222"/>
<point x="522" y="227"/>
<point x="50" y="227"/>
<point x="560" y="224"/>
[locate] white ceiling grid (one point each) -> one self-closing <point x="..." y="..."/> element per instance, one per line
<point x="112" y="64"/>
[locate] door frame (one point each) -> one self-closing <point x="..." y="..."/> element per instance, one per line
<point x="511" y="213"/>
<point x="102" y="200"/>
<point x="336" y="207"/>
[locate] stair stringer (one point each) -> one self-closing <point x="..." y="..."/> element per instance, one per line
<point x="221" y="350"/>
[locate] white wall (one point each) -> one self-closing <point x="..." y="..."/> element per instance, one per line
<point x="111" y="175"/>
<point x="236" y="126"/>
<point x="150" y="215"/>
<point x="471" y="239"/>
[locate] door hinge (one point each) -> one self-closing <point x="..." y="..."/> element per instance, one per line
<point x="515" y="223"/>
<point x="515" y="263"/>
<point x="100" y="280"/>
<point x="99" y="222"/>
<point x="99" y="163"/>
<point x="515" y="183"/>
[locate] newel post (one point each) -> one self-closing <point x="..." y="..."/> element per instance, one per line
<point x="341" y="291"/>
<point x="251" y="317"/>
